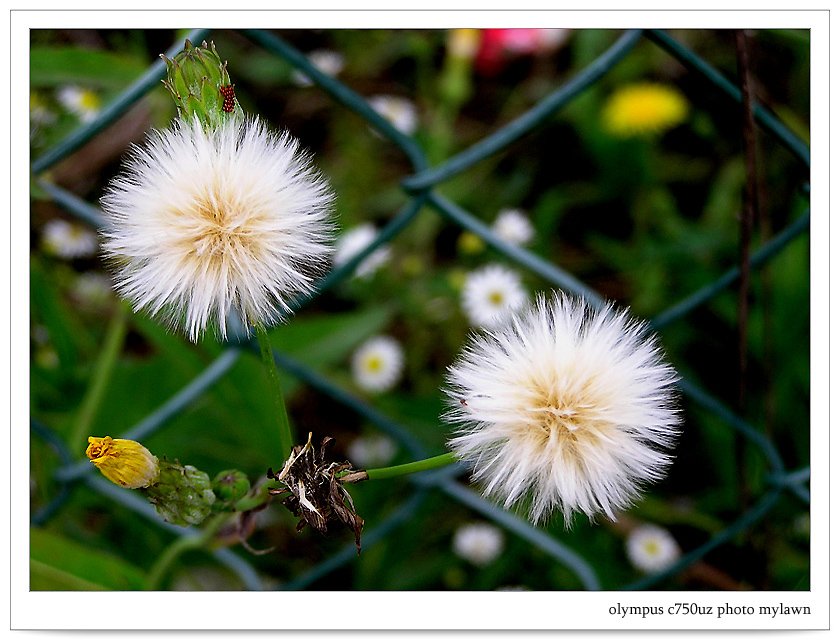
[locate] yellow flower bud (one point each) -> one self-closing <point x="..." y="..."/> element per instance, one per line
<point x="124" y="462"/>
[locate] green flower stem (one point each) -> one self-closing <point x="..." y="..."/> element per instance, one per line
<point x="257" y="499"/>
<point x="274" y="381"/>
<point x="102" y="371"/>
<point x="412" y="467"/>
<point x="183" y="544"/>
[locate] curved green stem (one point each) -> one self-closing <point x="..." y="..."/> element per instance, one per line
<point x="102" y="371"/>
<point x="412" y="467"/>
<point x="274" y="380"/>
<point x="174" y="551"/>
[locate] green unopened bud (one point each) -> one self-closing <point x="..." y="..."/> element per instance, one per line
<point x="200" y="85"/>
<point x="231" y="485"/>
<point x="181" y="494"/>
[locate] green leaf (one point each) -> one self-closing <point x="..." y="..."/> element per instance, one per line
<point x="51" y="66"/>
<point x="325" y="340"/>
<point x="59" y="564"/>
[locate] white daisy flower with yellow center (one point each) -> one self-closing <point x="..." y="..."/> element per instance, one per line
<point x="330" y="63"/>
<point x="68" y="240"/>
<point x="491" y="295"/>
<point x="479" y="543"/>
<point x="400" y="112"/>
<point x="378" y="364"/>
<point x="83" y="103"/>
<point x="367" y="452"/>
<point x="651" y="548"/>
<point x="39" y="110"/>
<point x="93" y="290"/>
<point x="352" y="242"/>
<point x="513" y="225"/>
<point x="564" y="407"/>
<point x="203" y="223"/>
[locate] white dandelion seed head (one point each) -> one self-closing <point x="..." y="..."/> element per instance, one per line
<point x="378" y="364"/>
<point x="205" y="223"/>
<point x="491" y="295"/>
<point x="565" y="407"/>
<point x="513" y="225"/>
<point x="367" y="452"/>
<point x="352" y="242"/>
<point x="399" y="111"/>
<point x="328" y="62"/>
<point x="651" y="549"/>
<point x="68" y="240"/>
<point x="479" y="543"/>
<point x="83" y="103"/>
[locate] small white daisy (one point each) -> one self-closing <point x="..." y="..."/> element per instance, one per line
<point x="39" y="111"/>
<point x="564" y="407"/>
<point x="83" y="103"/>
<point x="92" y="289"/>
<point x="205" y="223"/>
<point x="479" y="543"/>
<point x="368" y="452"/>
<point x="378" y="364"/>
<point x="68" y="240"/>
<point x="551" y="39"/>
<point x="491" y="295"/>
<point x="651" y="548"/>
<point x="328" y="62"/>
<point x="400" y="112"/>
<point x="352" y="242"/>
<point x="513" y="225"/>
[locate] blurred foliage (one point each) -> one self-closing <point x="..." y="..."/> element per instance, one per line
<point x="645" y="222"/>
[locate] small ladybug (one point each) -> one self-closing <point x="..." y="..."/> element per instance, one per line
<point x="230" y="98"/>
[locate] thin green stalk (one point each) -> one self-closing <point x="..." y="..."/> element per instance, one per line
<point x="102" y="371"/>
<point x="258" y="499"/>
<point x="412" y="467"/>
<point x="175" y="550"/>
<point x="277" y="391"/>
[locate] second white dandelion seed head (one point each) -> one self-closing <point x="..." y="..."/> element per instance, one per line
<point x="564" y="407"/>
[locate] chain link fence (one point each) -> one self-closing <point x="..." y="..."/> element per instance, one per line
<point x="421" y="187"/>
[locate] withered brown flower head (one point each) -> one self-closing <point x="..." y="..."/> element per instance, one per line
<point x="317" y="495"/>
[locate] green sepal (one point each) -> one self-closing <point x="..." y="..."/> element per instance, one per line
<point x="181" y="494"/>
<point x="195" y="78"/>
<point x="211" y="95"/>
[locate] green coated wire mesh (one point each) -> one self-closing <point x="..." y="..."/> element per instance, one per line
<point x="422" y="190"/>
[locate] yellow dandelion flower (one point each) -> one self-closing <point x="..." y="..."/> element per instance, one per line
<point x="124" y="462"/>
<point x="641" y="110"/>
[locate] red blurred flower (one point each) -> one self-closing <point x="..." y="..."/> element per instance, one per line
<point x="498" y="46"/>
